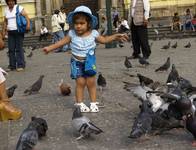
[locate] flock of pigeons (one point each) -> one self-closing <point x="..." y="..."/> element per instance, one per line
<point x="38" y="126"/>
<point x="164" y="106"/>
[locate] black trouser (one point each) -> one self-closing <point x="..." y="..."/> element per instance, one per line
<point x="16" y="52"/>
<point x="140" y="40"/>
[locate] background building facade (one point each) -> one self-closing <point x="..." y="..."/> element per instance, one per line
<point x="40" y="11"/>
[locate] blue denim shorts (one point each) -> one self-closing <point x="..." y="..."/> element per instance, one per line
<point x="78" y="69"/>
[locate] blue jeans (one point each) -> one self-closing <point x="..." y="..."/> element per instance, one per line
<point x="16" y="51"/>
<point x="57" y="36"/>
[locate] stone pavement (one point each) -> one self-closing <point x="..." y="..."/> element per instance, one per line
<point x="121" y="107"/>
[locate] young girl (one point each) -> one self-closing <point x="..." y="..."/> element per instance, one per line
<point x="82" y="42"/>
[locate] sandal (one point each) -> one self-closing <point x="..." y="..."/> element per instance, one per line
<point x="94" y="107"/>
<point x="83" y="107"/>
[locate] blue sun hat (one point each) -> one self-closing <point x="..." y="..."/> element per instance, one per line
<point x="83" y="9"/>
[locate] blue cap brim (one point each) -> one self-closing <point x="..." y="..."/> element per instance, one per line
<point x="94" y="21"/>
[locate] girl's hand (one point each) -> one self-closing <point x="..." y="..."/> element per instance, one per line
<point x="46" y="50"/>
<point x="122" y="37"/>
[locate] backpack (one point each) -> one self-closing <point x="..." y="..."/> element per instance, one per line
<point x="21" y="21"/>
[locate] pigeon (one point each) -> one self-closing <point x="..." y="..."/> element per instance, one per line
<point x="175" y="45"/>
<point x="36" y="130"/>
<point x="127" y="63"/>
<point x="166" y="46"/>
<point x="188" y="45"/>
<point x="173" y="75"/>
<point x="143" y="61"/>
<point x="83" y="125"/>
<point x="35" y="87"/>
<point x="64" y="88"/>
<point x="165" y="66"/>
<point x="30" y="55"/>
<point x="144" y="80"/>
<point x="101" y="81"/>
<point x="143" y="122"/>
<point x="33" y="47"/>
<point x="10" y="91"/>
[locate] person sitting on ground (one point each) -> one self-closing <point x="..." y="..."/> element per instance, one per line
<point x="176" y="24"/>
<point x="123" y="26"/>
<point x="82" y="38"/>
<point x="43" y="33"/>
<point x="187" y="20"/>
<point x="194" y="22"/>
<point x="7" y="110"/>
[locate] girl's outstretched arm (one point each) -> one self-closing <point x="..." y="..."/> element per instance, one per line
<point x="60" y="43"/>
<point x="108" y="39"/>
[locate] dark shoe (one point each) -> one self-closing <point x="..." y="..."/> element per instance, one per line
<point x="134" y="57"/>
<point x="10" y="69"/>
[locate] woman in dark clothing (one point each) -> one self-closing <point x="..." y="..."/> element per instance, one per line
<point x="15" y="38"/>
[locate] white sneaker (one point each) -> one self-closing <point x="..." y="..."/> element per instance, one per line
<point x="94" y="107"/>
<point x="83" y="107"/>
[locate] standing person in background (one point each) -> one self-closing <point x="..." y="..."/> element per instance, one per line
<point x="63" y="20"/>
<point x="64" y="25"/>
<point x="15" y="38"/>
<point x="103" y="26"/>
<point x="57" y="31"/>
<point x="140" y="14"/>
<point x="115" y="18"/>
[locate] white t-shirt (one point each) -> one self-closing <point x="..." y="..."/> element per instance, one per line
<point x="11" y="17"/>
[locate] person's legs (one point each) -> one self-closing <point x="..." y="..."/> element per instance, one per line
<point x="19" y="50"/>
<point x="91" y="85"/>
<point x="80" y="86"/>
<point x="143" y="37"/>
<point x="135" y="40"/>
<point x="11" y="47"/>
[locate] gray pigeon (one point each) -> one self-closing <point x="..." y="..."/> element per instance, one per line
<point x="144" y="80"/>
<point x="166" y="46"/>
<point x="27" y="140"/>
<point x="165" y="66"/>
<point x="127" y="63"/>
<point x="175" y="45"/>
<point x="10" y="91"/>
<point x="188" y="45"/>
<point x="35" y="87"/>
<point x="30" y="54"/>
<point x="36" y="130"/>
<point x="173" y="75"/>
<point x="83" y="125"/>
